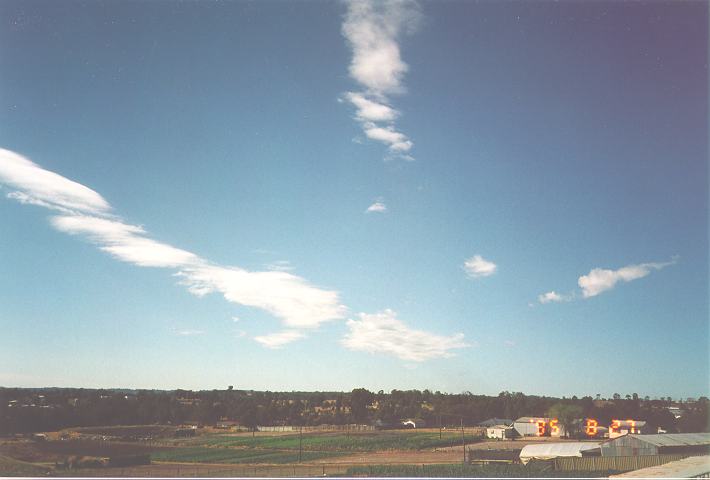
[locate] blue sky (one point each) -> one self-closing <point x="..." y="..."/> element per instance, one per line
<point x="460" y="196"/>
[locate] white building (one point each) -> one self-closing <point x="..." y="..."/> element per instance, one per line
<point x="500" y="432"/>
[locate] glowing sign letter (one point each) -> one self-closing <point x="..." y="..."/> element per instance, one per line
<point x="554" y="429"/>
<point x="540" y="428"/>
<point x="632" y="424"/>
<point x="591" y="428"/>
<point x="614" y="427"/>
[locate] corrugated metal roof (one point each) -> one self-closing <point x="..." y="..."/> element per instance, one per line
<point x="547" y="451"/>
<point x="495" y="421"/>
<point x="531" y="419"/>
<point x="687" y="468"/>
<point x="672" y="439"/>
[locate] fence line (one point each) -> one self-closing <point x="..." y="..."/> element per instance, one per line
<point x="622" y="464"/>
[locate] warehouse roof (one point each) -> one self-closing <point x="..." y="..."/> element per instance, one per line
<point x="495" y="421"/>
<point x="530" y="419"/>
<point x="672" y="439"/>
<point x="547" y="451"/>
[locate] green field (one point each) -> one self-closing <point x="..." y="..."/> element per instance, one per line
<point x="236" y="455"/>
<point x="338" y="442"/>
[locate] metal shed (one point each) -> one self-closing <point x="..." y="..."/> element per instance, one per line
<point x="632" y="445"/>
<point x="548" y="451"/>
<point x="528" y="426"/>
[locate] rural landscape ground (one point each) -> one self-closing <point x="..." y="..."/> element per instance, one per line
<point x="428" y="452"/>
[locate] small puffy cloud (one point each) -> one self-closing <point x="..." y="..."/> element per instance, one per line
<point x="371" y="110"/>
<point x="372" y="30"/>
<point x="235" y="319"/>
<point x="377" y="207"/>
<point x="599" y="280"/>
<point x="395" y="141"/>
<point x="510" y="343"/>
<point x="384" y="333"/>
<point x="477" y="267"/>
<point x="553" y="297"/>
<point x="279" y="339"/>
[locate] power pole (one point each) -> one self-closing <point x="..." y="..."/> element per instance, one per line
<point x="439" y="426"/>
<point x="463" y="442"/>
<point x="300" y="443"/>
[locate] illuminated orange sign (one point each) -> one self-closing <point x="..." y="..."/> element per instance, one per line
<point x="591" y="427"/>
<point x="540" y="428"/>
<point x="614" y="427"/>
<point x="632" y="424"/>
<point x="554" y="429"/>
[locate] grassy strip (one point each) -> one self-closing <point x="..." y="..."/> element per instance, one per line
<point x="227" y="455"/>
<point x="9" y="467"/>
<point x="470" y="471"/>
<point x="341" y="442"/>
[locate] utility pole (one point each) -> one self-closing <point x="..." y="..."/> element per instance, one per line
<point x="300" y="443"/>
<point x="463" y="442"/>
<point x="440" y="426"/>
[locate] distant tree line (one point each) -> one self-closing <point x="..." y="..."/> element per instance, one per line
<point x="48" y="409"/>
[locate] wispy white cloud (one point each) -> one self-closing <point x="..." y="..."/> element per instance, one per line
<point x="477" y="267"/>
<point x="554" y="297"/>
<point x="510" y="343"/>
<point x="284" y="295"/>
<point x="85" y="213"/>
<point x="377" y="207"/>
<point x="599" y="280"/>
<point x="372" y="30"/>
<point x="125" y="242"/>
<point x="42" y="187"/>
<point x="188" y="333"/>
<point x="279" y="339"/>
<point x="280" y="266"/>
<point x="384" y="333"/>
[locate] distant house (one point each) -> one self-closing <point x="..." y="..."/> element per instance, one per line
<point x="501" y="432"/>
<point x="227" y="424"/>
<point x="492" y="422"/>
<point x="413" y="423"/>
<point x="657" y="444"/>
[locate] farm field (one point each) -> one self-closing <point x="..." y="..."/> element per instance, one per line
<point x="246" y="454"/>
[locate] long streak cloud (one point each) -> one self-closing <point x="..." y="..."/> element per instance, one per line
<point x="85" y="213"/>
<point x="299" y="305"/>
<point x="372" y="30"/>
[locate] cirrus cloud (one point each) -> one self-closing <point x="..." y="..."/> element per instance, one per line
<point x="384" y="333"/>
<point x="87" y="214"/>
<point x="600" y="280"/>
